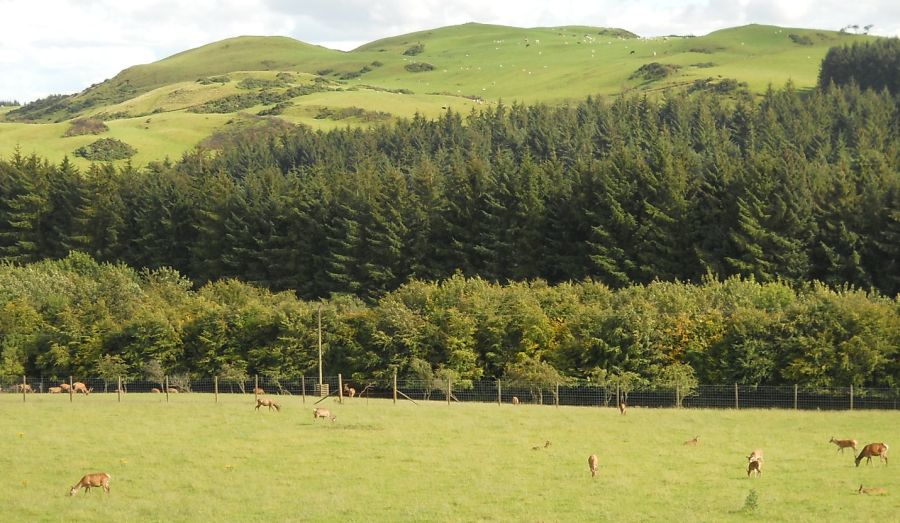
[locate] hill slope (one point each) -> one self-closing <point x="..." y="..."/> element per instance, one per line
<point x="167" y="107"/>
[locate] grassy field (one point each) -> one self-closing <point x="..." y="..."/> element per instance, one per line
<point x="474" y="65"/>
<point x="192" y="459"/>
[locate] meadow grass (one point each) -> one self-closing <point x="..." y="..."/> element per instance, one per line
<point x="192" y="459"/>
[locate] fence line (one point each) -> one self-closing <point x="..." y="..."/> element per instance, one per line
<point x="584" y="394"/>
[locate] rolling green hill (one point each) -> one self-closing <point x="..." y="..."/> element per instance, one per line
<point x="169" y="106"/>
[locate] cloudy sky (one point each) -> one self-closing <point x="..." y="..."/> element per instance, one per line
<point x="63" y="46"/>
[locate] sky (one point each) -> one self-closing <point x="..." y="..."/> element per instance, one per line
<point x="64" y="46"/>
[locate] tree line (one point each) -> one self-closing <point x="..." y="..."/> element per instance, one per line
<point x="76" y="316"/>
<point x="792" y="187"/>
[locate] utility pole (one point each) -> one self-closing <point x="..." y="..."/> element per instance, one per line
<point x="320" y="346"/>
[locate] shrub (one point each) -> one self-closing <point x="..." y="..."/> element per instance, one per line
<point x="414" y="50"/>
<point x="654" y="71"/>
<point x="419" y="67"/>
<point x="106" y="150"/>
<point x="800" y="39"/>
<point x="213" y="80"/>
<point x="81" y="126"/>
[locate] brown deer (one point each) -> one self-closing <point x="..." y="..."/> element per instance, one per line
<point x="99" y="479"/>
<point x="755" y="460"/>
<point x="843" y="444"/>
<point x="593" y="464"/>
<point x="65" y="387"/>
<point x="172" y="390"/>
<point x="693" y="442"/>
<point x="154" y="390"/>
<point x="258" y="391"/>
<point x="872" y="490"/>
<point x="871" y="450"/>
<point x="268" y="403"/>
<point x="623" y="408"/>
<point x="323" y="413"/>
<point x="515" y="400"/>
<point x="82" y="388"/>
<point x="23" y="387"/>
<point x="349" y="391"/>
<point x="54" y="390"/>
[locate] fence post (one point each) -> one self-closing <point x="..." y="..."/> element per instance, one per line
<point x="557" y="395"/>
<point x="736" y="404"/>
<point x="499" y="393"/>
<point x="795" y="396"/>
<point x="618" y="401"/>
<point x="71" y="392"/>
<point x="449" y="388"/>
<point x="23" y="388"/>
<point x="256" y="386"/>
<point x="340" y="389"/>
<point x="677" y="391"/>
<point x="303" y="387"/>
<point x="395" y="386"/>
<point x="167" y="388"/>
<point x="216" y="387"/>
<point x="119" y="390"/>
<point x="851" y="396"/>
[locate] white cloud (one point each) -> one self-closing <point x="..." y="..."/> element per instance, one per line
<point x="51" y="46"/>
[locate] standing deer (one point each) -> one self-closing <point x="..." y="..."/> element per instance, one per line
<point x="65" y="387"/>
<point x="82" y="388"/>
<point x="323" y="413"/>
<point x="258" y="391"/>
<point x="99" y="479"/>
<point x="268" y="403"/>
<point x="23" y="387"/>
<point x="693" y="442"/>
<point x="755" y="460"/>
<point x="871" y="450"/>
<point x="843" y="444"/>
<point x="623" y="408"/>
<point x="349" y="391"/>
<point x="593" y="464"/>
<point x="515" y="400"/>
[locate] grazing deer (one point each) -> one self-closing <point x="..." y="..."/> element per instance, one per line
<point x="82" y="388"/>
<point x="515" y="400"/>
<point x="593" y="464"/>
<point x="268" y="403"/>
<point x="54" y="390"/>
<point x="23" y="387"/>
<point x="323" y="413"/>
<point x="872" y="490"/>
<point x="154" y="390"/>
<point x="65" y="387"/>
<point x="349" y="391"/>
<point x="871" y="450"/>
<point x="693" y="442"/>
<point x="258" y="391"/>
<point x="172" y="390"/>
<point x="623" y="408"/>
<point x="99" y="479"/>
<point x="844" y="443"/>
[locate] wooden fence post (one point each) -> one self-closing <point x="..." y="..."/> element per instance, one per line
<point x="216" y="387"/>
<point x="795" y="396"/>
<point x="255" y="386"/>
<point x="851" y="396"/>
<point x="303" y="388"/>
<point x="71" y="392"/>
<point x="618" y="401"/>
<point x="449" y="388"/>
<point x="557" y="395"/>
<point x="736" y="404"/>
<point x="340" y="389"/>
<point x="677" y="390"/>
<point x="167" y="389"/>
<point x="499" y="393"/>
<point x="395" y="386"/>
<point x="119" y="389"/>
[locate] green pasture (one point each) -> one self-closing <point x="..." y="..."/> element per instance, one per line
<point x="193" y="459"/>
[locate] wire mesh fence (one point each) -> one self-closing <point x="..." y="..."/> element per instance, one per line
<point x="581" y="394"/>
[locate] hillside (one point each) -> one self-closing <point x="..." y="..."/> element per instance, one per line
<point x="169" y="106"/>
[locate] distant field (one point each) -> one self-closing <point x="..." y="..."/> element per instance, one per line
<point x="192" y="459"/>
<point x="467" y="66"/>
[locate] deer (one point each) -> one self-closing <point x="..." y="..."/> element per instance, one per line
<point x="843" y="444"/>
<point x="349" y="391"/>
<point x="99" y="479"/>
<point x="154" y="390"/>
<point x="23" y="387"/>
<point x="258" y="391"/>
<point x="323" y="413"/>
<point x="871" y="450"/>
<point x="260" y="402"/>
<point x="65" y="387"/>
<point x="755" y="460"/>
<point x="623" y="408"/>
<point x="872" y="490"/>
<point x="546" y="446"/>
<point x="515" y="400"/>
<point x="54" y="390"/>
<point x="172" y="390"/>
<point x="82" y="388"/>
<point x="593" y="464"/>
<point x="693" y="442"/>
